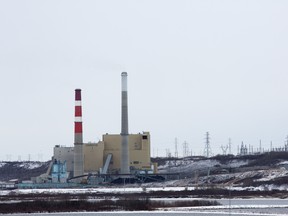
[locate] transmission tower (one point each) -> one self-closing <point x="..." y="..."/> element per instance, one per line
<point x="168" y="153"/>
<point x="224" y="149"/>
<point x="176" y="148"/>
<point x="40" y="157"/>
<point x="185" y="149"/>
<point x="229" y="146"/>
<point x="8" y="157"/>
<point x="207" y="149"/>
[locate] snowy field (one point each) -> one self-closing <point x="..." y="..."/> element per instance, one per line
<point x="135" y="189"/>
<point x="93" y="190"/>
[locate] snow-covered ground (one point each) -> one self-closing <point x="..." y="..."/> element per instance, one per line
<point x="30" y="165"/>
<point x="123" y="190"/>
<point x="2" y="164"/>
<point x="94" y="190"/>
<point x="257" y="176"/>
<point x="273" y="173"/>
<point x="232" y="172"/>
<point x="24" y="164"/>
<point x="199" y="165"/>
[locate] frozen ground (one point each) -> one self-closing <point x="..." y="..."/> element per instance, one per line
<point x="2" y="164"/>
<point x="198" y="165"/>
<point x="123" y="190"/>
<point x="30" y="165"/>
<point x="232" y="172"/>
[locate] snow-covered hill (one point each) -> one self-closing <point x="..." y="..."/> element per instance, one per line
<point x="22" y="170"/>
<point x="266" y="170"/>
<point x="252" y="170"/>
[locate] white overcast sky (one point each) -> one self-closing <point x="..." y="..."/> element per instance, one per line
<point x="193" y="66"/>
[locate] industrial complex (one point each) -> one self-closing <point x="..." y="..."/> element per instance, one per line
<point x="119" y="156"/>
<point x="125" y="158"/>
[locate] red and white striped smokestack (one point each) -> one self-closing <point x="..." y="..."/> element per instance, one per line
<point x="78" y="136"/>
<point x="78" y="133"/>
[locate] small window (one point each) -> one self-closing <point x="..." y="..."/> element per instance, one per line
<point x="136" y="162"/>
<point x="144" y="137"/>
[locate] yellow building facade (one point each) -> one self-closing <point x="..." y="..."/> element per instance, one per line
<point x="139" y="151"/>
<point x="95" y="154"/>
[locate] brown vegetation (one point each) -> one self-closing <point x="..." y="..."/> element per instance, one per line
<point x="104" y="205"/>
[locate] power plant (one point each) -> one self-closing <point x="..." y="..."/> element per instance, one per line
<point x="121" y="155"/>
<point x="117" y="158"/>
<point x="123" y="158"/>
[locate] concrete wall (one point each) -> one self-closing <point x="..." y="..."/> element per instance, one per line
<point x="62" y="153"/>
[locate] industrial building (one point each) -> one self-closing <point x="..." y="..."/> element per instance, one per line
<point x="96" y="154"/>
<point x="122" y="153"/>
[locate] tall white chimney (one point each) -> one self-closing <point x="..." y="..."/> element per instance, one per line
<point x="125" y="168"/>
